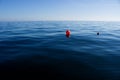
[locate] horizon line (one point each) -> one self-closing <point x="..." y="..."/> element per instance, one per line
<point x="59" y="20"/>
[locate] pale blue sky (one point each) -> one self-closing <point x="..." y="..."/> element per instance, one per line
<point x="35" y="10"/>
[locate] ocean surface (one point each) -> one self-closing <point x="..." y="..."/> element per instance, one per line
<point x="41" y="46"/>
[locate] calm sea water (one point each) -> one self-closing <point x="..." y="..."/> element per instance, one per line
<point x="41" y="46"/>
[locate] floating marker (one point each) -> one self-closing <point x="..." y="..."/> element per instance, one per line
<point x="68" y="33"/>
<point x="97" y="33"/>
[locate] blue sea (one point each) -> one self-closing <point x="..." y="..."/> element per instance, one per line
<point x="41" y="46"/>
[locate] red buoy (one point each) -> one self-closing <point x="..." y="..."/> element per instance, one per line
<point x="68" y="33"/>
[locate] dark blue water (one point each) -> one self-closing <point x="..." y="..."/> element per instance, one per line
<point x="41" y="46"/>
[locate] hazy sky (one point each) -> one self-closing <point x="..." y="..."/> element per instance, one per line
<point x="100" y="10"/>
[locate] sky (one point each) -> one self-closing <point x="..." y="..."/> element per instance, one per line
<point x="37" y="10"/>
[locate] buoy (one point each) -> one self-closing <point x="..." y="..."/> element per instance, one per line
<point x="68" y="33"/>
<point x="97" y="33"/>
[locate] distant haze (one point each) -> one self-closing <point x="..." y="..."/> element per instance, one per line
<point x="35" y="10"/>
